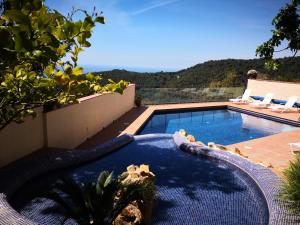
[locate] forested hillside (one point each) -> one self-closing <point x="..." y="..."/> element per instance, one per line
<point x="215" y="73"/>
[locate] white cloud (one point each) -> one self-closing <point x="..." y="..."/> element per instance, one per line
<point x="153" y="6"/>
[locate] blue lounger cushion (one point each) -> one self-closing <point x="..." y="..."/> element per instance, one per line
<point x="275" y="101"/>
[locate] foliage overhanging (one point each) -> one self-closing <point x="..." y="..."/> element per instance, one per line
<point x="39" y="50"/>
<point x="286" y="28"/>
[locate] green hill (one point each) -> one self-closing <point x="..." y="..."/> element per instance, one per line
<point x="229" y="72"/>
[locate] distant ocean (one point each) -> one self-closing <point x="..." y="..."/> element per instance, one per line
<point x="91" y="68"/>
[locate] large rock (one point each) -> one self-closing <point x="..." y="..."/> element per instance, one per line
<point x="131" y="215"/>
<point x="138" y="212"/>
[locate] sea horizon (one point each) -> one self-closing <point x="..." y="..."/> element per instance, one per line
<point x="102" y="68"/>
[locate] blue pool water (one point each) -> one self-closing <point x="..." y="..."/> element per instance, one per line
<point x="220" y="126"/>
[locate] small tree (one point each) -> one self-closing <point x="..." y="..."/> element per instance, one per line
<point x="287" y="27"/>
<point x="39" y="49"/>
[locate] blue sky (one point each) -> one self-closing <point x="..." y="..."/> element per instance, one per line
<point x="174" y="34"/>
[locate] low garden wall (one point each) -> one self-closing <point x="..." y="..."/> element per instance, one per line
<point x="69" y="126"/>
<point x="281" y="90"/>
<point x="66" y="127"/>
<point x="18" y="140"/>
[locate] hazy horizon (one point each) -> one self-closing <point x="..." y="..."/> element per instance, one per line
<point x="102" y="68"/>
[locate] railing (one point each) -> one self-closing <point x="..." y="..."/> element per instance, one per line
<point x="153" y="96"/>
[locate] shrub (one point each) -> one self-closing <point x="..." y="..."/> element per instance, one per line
<point x="290" y="191"/>
<point x="102" y="202"/>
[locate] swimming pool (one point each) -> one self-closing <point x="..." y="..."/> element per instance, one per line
<point x="190" y="189"/>
<point x="222" y="126"/>
<point x="219" y="188"/>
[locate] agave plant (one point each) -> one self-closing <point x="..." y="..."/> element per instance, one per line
<point x="290" y="191"/>
<point x="97" y="202"/>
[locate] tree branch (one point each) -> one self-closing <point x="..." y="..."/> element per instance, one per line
<point x="8" y="121"/>
<point x="295" y="53"/>
<point x="281" y="50"/>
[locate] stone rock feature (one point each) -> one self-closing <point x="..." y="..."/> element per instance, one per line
<point x="138" y="174"/>
<point x="236" y="151"/>
<point x="130" y="215"/>
<point x="211" y="145"/>
<point x="182" y="133"/>
<point x="138" y="212"/>
<point x="190" y="138"/>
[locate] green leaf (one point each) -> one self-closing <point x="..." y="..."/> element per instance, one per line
<point x="68" y="69"/>
<point x="64" y="79"/>
<point x="88" y="23"/>
<point x="89" y="76"/>
<point x="37" y="53"/>
<point x="86" y="44"/>
<point x="49" y="70"/>
<point x="100" y="19"/>
<point x="59" y="73"/>
<point x="77" y="71"/>
<point x="16" y="15"/>
<point x="3" y="84"/>
<point x="62" y="49"/>
<point x="77" y="50"/>
<point x="59" y="34"/>
<point x="108" y="180"/>
<point x="101" y="181"/>
<point x="97" y="88"/>
<point x="60" y="62"/>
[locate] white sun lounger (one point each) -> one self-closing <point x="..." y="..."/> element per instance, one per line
<point x="265" y="103"/>
<point x="295" y="148"/>
<point x="242" y="99"/>
<point x="287" y="107"/>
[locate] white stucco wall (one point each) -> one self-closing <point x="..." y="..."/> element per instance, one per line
<point x="70" y="126"/>
<point x="18" y="140"/>
<point x="66" y="127"/>
<point x="282" y="90"/>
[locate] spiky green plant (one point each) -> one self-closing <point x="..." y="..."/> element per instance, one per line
<point x="97" y="203"/>
<point x="290" y="191"/>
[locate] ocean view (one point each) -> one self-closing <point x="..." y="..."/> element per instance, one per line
<point x="97" y="68"/>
